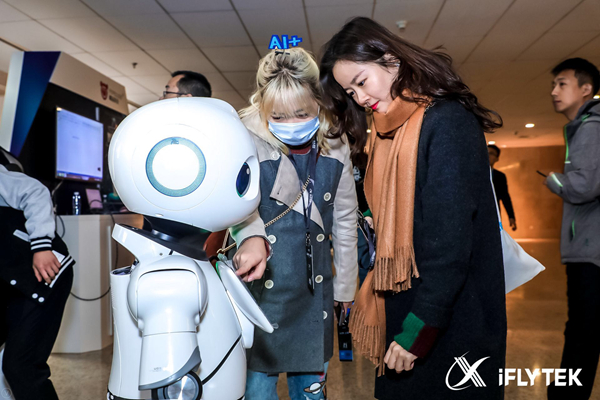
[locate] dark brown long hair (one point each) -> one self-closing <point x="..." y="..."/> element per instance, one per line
<point x="423" y="72"/>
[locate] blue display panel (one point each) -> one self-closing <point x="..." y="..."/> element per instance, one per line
<point x="79" y="147"/>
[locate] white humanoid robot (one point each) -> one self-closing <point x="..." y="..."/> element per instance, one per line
<point x="182" y="326"/>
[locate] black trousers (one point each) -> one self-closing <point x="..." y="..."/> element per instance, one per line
<point x="29" y="330"/>
<point x="582" y="343"/>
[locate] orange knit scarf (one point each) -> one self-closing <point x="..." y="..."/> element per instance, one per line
<point x="390" y="190"/>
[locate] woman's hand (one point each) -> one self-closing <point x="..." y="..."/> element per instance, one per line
<point x="251" y="259"/>
<point x="399" y="359"/>
<point x="345" y="305"/>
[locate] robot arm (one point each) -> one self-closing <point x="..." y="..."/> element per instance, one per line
<point x="167" y="301"/>
<point x="167" y="284"/>
<point x="167" y="298"/>
<point x="243" y="301"/>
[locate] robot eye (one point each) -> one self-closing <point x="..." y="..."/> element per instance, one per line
<point x="242" y="182"/>
<point x="175" y="167"/>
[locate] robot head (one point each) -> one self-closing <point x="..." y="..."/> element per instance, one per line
<point x="189" y="160"/>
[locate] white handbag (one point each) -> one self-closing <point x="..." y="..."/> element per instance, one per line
<point x="519" y="267"/>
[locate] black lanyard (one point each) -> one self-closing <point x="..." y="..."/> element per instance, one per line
<point x="307" y="209"/>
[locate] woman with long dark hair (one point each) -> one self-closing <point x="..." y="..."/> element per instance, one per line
<point x="431" y="313"/>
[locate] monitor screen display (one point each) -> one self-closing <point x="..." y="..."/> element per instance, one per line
<point x="79" y="147"/>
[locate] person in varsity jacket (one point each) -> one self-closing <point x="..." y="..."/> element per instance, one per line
<point x="36" y="275"/>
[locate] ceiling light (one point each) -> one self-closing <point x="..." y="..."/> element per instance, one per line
<point x="529" y="125"/>
<point x="597" y="96"/>
<point x="368" y="131"/>
<point x="491" y="142"/>
<point x="401" y="25"/>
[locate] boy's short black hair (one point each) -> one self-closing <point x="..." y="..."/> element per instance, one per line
<point x="493" y="146"/>
<point x="585" y="72"/>
<point x="193" y="83"/>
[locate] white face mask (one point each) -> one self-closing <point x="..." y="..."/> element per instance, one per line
<point x="295" y="133"/>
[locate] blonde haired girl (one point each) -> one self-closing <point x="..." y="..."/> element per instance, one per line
<point x="298" y="288"/>
<point x="287" y="81"/>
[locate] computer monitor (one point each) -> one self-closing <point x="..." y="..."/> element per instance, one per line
<point x="79" y="147"/>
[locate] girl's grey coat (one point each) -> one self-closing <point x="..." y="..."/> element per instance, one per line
<point x="303" y="338"/>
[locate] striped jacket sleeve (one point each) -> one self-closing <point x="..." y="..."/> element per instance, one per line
<point x="24" y="193"/>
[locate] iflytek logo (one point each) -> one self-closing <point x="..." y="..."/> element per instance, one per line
<point x="522" y="377"/>
<point x="560" y="375"/>
<point x="470" y="372"/>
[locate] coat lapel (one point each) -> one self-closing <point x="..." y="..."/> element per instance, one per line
<point x="286" y="189"/>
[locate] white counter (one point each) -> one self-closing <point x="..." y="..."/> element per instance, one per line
<point x="87" y="325"/>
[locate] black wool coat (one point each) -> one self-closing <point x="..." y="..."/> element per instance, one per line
<point x="460" y="292"/>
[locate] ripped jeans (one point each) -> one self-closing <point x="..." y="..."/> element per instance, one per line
<point x="302" y="386"/>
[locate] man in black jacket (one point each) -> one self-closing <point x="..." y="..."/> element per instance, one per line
<point x="501" y="186"/>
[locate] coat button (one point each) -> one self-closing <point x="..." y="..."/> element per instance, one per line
<point x="13" y="282"/>
<point x="41" y="299"/>
<point x="279" y="203"/>
<point x="35" y="295"/>
<point x="320" y="237"/>
<point x="327" y="196"/>
<point x="275" y="155"/>
<point x="268" y="284"/>
<point x="324" y="314"/>
<point x="319" y="278"/>
<point x="272" y="239"/>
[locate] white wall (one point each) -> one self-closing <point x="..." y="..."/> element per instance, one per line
<point x="1" y="105"/>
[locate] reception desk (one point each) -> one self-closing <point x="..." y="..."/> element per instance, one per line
<point x="87" y="325"/>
